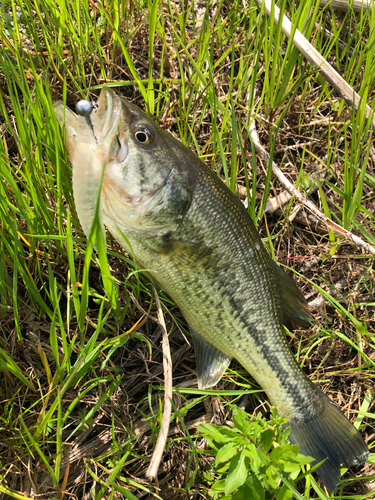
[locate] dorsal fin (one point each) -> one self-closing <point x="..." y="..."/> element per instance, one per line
<point x="296" y="313"/>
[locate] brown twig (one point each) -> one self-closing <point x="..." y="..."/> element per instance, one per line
<point x="332" y="226"/>
<point x="312" y="55"/>
<point x="277" y="202"/>
<point x="152" y="471"/>
<point x="356" y="5"/>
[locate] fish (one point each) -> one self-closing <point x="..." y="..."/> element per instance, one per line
<point x="177" y="218"/>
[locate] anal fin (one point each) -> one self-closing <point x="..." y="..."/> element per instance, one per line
<point x="211" y="363"/>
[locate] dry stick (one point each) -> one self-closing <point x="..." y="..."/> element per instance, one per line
<point x="152" y="471"/>
<point x="356" y="5"/>
<point x="328" y="73"/>
<point x="332" y="226"/>
<point x="278" y="201"/>
<point x="274" y="203"/>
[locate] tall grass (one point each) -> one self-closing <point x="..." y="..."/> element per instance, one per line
<point x="66" y="311"/>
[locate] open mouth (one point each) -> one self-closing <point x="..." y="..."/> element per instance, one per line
<point x="106" y="115"/>
<point x="89" y="143"/>
<point x="101" y="122"/>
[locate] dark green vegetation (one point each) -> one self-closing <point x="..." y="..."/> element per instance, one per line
<point x="264" y="458"/>
<point x="81" y="364"/>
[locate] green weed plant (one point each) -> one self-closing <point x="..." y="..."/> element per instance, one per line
<point x="254" y="459"/>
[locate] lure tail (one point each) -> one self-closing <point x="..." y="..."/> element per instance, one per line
<point x="323" y="432"/>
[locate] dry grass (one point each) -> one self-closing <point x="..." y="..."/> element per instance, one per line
<point x="312" y="133"/>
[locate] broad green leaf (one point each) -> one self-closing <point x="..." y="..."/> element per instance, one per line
<point x="219" y="486"/>
<point x="252" y="453"/>
<point x="226" y="453"/>
<point x="266" y="438"/>
<point x="285" y="452"/>
<point x="263" y="457"/>
<point x="210" y="430"/>
<point x="288" y="466"/>
<point x="284" y="493"/>
<point x="237" y="473"/>
<point x="273" y="477"/>
<point x="254" y="489"/>
<point x="241" y="419"/>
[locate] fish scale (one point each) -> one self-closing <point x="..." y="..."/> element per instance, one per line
<point x="192" y="232"/>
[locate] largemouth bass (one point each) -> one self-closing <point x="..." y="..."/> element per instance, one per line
<point x="181" y="221"/>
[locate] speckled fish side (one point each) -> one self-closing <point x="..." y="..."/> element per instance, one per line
<point x="182" y="222"/>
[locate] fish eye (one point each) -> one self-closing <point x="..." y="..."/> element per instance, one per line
<point x="143" y="135"/>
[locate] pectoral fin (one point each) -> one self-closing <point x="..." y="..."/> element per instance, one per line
<point x="188" y="257"/>
<point x="211" y="363"/>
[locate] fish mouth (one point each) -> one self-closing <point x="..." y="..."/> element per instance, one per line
<point x="107" y="112"/>
<point x="89" y="141"/>
<point x="104" y="118"/>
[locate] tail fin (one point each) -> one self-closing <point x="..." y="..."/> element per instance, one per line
<point x="327" y="433"/>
